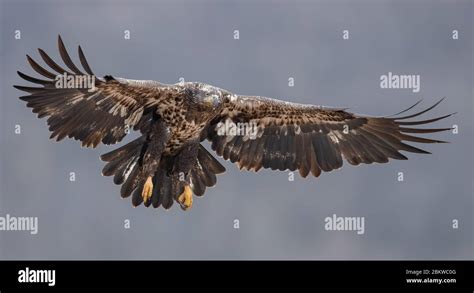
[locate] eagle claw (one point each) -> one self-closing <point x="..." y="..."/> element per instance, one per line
<point x="147" y="189"/>
<point x="185" y="199"/>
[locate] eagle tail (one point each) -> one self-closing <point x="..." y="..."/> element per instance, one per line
<point x="204" y="172"/>
<point x="123" y="164"/>
<point x="168" y="188"/>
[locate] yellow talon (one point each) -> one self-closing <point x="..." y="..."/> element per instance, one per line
<point x="185" y="199"/>
<point x="147" y="189"/>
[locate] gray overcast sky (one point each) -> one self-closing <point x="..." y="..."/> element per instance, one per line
<point x="279" y="219"/>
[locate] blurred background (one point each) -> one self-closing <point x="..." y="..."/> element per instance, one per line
<point x="278" y="218"/>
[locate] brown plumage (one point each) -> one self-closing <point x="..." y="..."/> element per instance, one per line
<point x="157" y="167"/>
<point x="312" y="138"/>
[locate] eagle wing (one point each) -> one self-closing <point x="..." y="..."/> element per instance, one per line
<point x="282" y="135"/>
<point x="104" y="114"/>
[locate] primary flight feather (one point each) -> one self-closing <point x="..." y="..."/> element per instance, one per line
<point x="167" y="162"/>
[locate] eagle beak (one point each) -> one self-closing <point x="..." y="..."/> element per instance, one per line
<point x="210" y="101"/>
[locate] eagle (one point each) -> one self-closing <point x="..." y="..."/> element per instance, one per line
<point x="168" y="163"/>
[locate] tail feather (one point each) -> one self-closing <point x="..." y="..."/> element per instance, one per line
<point x="156" y="198"/>
<point x="204" y="172"/>
<point x="124" y="170"/>
<point x="206" y="159"/>
<point x="137" y="198"/>
<point x="166" y="192"/>
<point x="196" y="183"/>
<point x="124" y="150"/>
<point x="130" y="183"/>
<point x="114" y="167"/>
<point x="122" y="163"/>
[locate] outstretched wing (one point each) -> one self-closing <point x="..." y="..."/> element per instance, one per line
<point x="280" y="135"/>
<point x="101" y="113"/>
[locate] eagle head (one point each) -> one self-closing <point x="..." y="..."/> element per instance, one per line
<point x="206" y="96"/>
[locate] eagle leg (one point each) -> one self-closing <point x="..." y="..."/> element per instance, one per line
<point x="150" y="156"/>
<point x="183" y="163"/>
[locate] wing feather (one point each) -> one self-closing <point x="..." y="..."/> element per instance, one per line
<point x="311" y="138"/>
<point x="103" y="113"/>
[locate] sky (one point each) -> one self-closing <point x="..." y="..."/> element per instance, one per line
<point x="277" y="218"/>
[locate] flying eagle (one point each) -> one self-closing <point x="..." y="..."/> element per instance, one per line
<point x="167" y="162"/>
